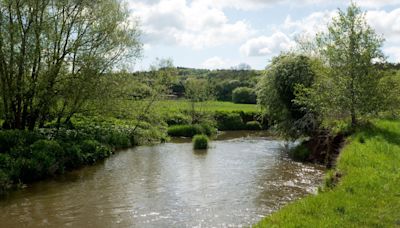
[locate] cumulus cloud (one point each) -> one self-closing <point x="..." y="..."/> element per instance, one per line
<point x="267" y="45"/>
<point x="260" y="4"/>
<point x="386" y="23"/>
<point x="215" y="63"/>
<point x="393" y="52"/>
<point x="310" y="25"/>
<point x="178" y="22"/>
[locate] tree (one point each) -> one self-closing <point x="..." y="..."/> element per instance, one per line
<point x="350" y="48"/>
<point x="277" y="92"/>
<point x="196" y="91"/>
<point x="55" y="54"/>
<point x="244" y="95"/>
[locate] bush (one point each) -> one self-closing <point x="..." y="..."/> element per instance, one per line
<point x="200" y="142"/>
<point x="13" y="138"/>
<point x="229" y="121"/>
<point x="244" y="95"/>
<point x="253" y="125"/>
<point x="177" y="118"/>
<point x="47" y="158"/>
<point x="93" y="151"/>
<point x="73" y="156"/>
<point x="190" y="130"/>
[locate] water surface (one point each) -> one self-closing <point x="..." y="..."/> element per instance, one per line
<point x="240" y="179"/>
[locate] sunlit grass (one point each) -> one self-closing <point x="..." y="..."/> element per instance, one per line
<point x="368" y="194"/>
<point x="212" y="106"/>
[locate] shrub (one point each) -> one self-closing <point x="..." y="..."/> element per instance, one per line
<point x="73" y="156"/>
<point x="184" y="130"/>
<point x="177" y="118"/>
<point x="93" y="151"/>
<point x="13" y="138"/>
<point x="244" y="95"/>
<point x="253" y="125"/>
<point x="190" y="130"/>
<point x="200" y="142"/>
<point x="208" y="129"/>
<point x="47" y="158"/>
<point x="228" y="121"/>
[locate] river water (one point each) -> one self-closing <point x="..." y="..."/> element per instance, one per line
<point x="241" y="178"/>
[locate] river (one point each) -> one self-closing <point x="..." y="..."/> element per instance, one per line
<point x="241" y="178"/>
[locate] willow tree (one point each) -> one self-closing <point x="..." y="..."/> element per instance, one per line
<point x="53" y="55"/>
<point x="350" y="47"/>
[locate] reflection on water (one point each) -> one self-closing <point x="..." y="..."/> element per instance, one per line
<point x="241" y="178"/>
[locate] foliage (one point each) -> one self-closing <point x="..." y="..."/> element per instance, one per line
<point x="196" y="91"/>
<point x="227" y="121"/>
<point x="253" y="126"/>
<point x="244" y="95"/>
<point x="190" y="130"/>
<point x="348" y="87"/>
<point x="200" y="142"/>
<point x="367" y="194"/>
<point x="225" y="89"/>
<point x="277" y="91"/>
<point x="389" y="87"/>
<point x="55" y="56"/>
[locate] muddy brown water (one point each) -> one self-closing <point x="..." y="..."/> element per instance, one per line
<point x="241" y="178"/>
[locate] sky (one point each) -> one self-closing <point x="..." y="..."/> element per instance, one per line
<point x="220" y="34"/>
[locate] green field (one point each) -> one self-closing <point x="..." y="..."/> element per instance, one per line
<point x="368" y="192"/>
<point x="210" y="106"/>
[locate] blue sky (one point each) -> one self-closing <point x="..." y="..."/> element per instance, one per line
<point x="219" y="34"/>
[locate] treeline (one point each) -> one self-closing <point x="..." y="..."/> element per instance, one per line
<point x="227" y="85"/>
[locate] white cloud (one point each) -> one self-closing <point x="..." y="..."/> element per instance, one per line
<point x="394" y="53"/>
<point x="216" y="63"/>
<point x="194" y="25"/>
<point x="310" y="25"/>
<point x="386" y="23"/>
<point x="267" y="45"/>
<point x="260" y="4"/>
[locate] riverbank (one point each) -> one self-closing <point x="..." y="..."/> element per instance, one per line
<point x="363" y="190"/>
<point x="30" y="156"/>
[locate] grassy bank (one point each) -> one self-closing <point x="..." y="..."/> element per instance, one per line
<point x="367" y="193"/>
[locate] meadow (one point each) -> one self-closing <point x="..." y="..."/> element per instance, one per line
<point x="207" y="106"/>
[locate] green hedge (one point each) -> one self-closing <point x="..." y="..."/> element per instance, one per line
<point x="253" y="125"/>
<point x="190" y="130"/>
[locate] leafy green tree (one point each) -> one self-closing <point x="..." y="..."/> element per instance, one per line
<point x="55" y="54"/>
<point x="244" y="95"/>
<point x="197" y="91"/>
<point x="277" y="91"/>
<point x="350" y="47"/>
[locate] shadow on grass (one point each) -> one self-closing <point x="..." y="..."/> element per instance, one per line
<point x="373" y="130"/>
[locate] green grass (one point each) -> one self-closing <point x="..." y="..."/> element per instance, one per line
<point x="200" y="142"/>
<point x="211" y="106"/>
<point x="368" y="193"/>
